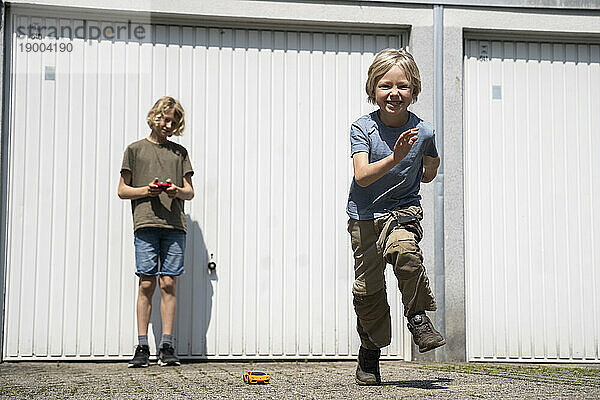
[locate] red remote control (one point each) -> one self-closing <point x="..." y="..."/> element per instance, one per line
<point x="163" y="185"/>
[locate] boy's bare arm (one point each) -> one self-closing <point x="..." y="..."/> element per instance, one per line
<point x="365" y="173"/>
<point x="430" y="167"/>
<point x="184" y="193"/>
<point x="128" y="192"/>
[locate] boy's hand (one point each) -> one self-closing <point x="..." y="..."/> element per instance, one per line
<point x="173" y="190"/>
<point x="404" y="144"/>
<point x="430" y="168"/>
<point x="428" y="175"/>
<point x="153" y="189"/>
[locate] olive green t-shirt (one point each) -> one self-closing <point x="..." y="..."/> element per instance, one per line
<point x="146" y="161"/>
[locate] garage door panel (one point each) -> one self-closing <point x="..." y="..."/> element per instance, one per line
<point x="547" y="206"/>
<point x="44" y="214"/>
<point x="534" y="170"/>
<point x="521" y="134"/>
<point x="115" y="225"/>
<point x="585" y="90"/>
<point x="73" y="181"/>
<point x="561" y="233"/>
<point x="536" y="100"/>
<point x="136" y="77"/>
<point x="30" y="177"/>
<point x="594" y="120"/>
<point x="291" y="193"/>
<point x="238" y="150"/>
<point x="59" y="208"/>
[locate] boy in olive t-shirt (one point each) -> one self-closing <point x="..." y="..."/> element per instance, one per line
<point x="156" y="175"/>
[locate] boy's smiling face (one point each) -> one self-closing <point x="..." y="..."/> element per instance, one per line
<point x="393" y="95"/>
<point x="163" y="128"/>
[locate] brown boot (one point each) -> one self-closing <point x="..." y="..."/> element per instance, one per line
<point x="367" y="371"/>
<point x="424" y="334"/>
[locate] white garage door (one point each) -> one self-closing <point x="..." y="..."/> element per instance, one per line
<point x="532" y="201"/>
<point x="268" y="115"/>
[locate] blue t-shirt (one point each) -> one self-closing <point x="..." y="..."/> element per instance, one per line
<point x="400" y="186"/>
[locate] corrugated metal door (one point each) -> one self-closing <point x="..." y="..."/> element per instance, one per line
<point x="532" y="201"/>
<point x="268" y="115"/>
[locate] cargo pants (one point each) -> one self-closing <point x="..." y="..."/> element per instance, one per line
<point x="391" y="239"/>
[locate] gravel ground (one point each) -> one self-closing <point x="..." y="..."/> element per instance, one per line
<point x="296" y="380"/>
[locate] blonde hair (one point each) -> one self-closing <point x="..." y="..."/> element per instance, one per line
<point x="383" y="62"/>
<point x="159" y="109"/>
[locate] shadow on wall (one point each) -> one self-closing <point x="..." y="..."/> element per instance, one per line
<point x="194" y="299"/>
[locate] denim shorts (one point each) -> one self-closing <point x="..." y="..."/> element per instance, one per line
<point x="159" y="251"/>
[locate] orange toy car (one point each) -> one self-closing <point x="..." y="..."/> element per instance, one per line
<point x="256" y="377"/>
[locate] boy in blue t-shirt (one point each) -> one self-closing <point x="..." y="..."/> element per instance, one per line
<point x="393" y="151"/>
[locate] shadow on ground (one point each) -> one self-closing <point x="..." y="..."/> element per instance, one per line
<point x="439" y="383"/>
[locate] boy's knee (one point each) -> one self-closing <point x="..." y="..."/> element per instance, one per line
<point x="368" y="286"/>
<point x="372" y="306"/>
<point x="147" y="284"/>
<point x="167" y="283"/>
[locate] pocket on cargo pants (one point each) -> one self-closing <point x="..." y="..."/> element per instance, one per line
<point x="369" y="265"/>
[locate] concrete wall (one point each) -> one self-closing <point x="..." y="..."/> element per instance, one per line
<point x="533" y="18"/>
<point x="2" y="176"/>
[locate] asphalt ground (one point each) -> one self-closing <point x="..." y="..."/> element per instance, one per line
<point x="296" y="380"/>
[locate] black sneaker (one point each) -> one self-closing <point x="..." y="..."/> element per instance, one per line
<point x="367" y="371"/>
<point x="424" y="334"/>
<point x="166" y="355"/>
<point x="140" y="359"/>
